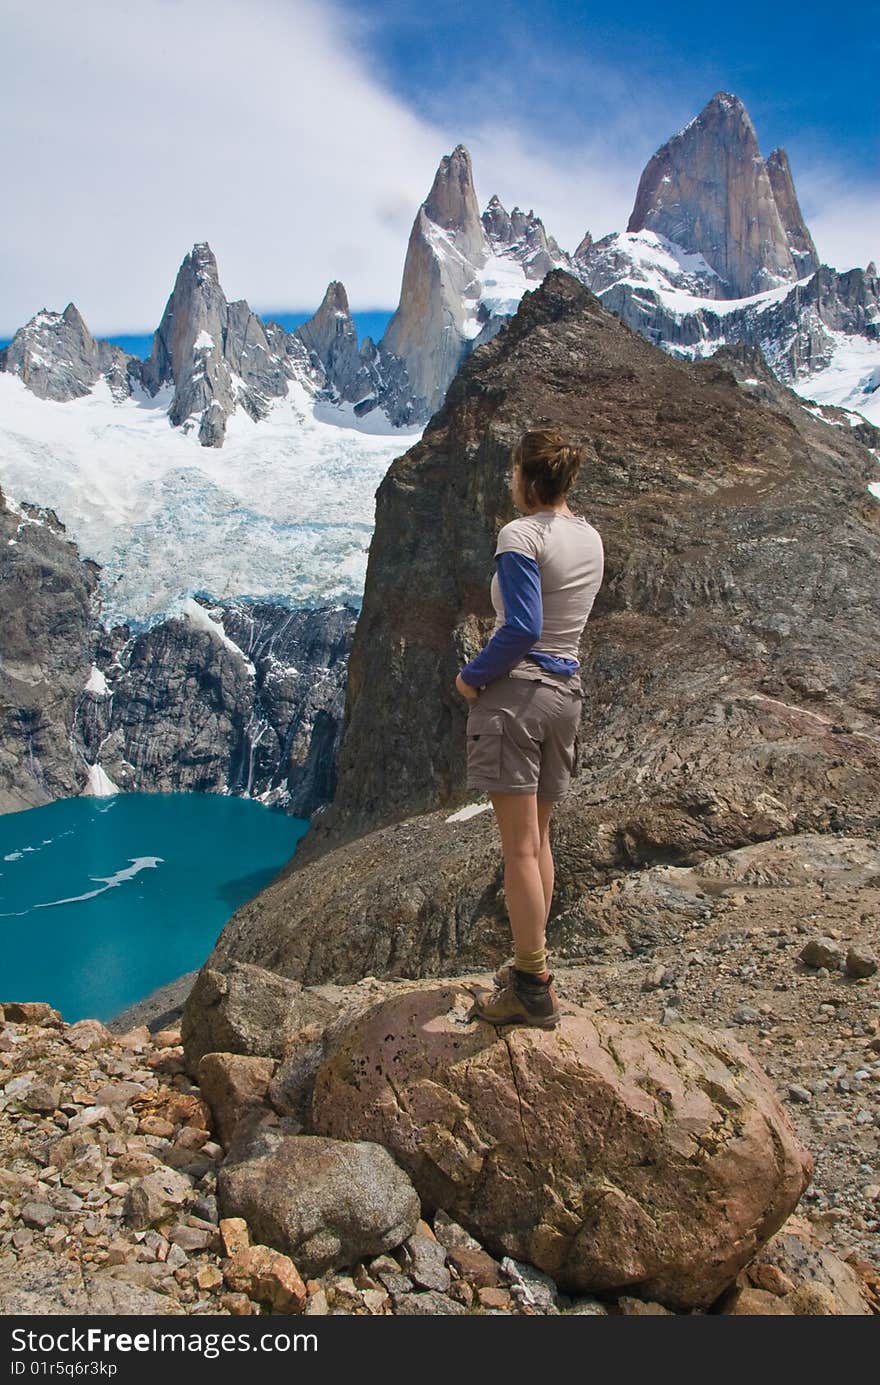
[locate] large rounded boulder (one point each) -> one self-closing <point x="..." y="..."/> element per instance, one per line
<point x="325" y="1203"/>
<point x="613" y="1155"/>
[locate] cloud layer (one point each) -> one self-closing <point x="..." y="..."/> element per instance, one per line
<point x="133" y="130"/>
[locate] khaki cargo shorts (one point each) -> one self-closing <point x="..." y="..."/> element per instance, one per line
<point x="522" y="737"/>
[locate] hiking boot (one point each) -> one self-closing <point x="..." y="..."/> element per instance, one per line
<point x="504" y="975"/>
<point x="520" y="1001"/>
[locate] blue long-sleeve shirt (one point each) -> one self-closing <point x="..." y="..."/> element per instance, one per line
<point x="519" y="578"/>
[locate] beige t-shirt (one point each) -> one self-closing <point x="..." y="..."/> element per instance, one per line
<point x="571" y="557"/>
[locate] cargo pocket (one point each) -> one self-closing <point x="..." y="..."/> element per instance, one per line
<point x="484" y="740"/>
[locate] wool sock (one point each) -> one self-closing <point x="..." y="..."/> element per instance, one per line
<point x="530" y="964"/>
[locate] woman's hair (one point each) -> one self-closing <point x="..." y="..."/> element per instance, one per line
<point x="549" y="465"/>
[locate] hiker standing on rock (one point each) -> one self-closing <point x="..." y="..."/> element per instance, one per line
<point x="525" y="698"/>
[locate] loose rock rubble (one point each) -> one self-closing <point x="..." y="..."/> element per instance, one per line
<point x="109" y="1164"/>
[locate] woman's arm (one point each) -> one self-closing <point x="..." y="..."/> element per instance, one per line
<point x="519" y="578"/>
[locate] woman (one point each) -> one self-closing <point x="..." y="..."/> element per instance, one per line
<point x="525" y="697"/>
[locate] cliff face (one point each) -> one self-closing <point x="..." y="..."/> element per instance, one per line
<point x="426" y="339"/>
<point x="239" y="698"/>
<point x="800" y="242"/>
<point x="46" y="601"/>
<point x="708" y="190"/>
<point x="730" y="663"/>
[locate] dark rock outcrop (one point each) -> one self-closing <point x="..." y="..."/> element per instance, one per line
<point x="243" y="696"/>
<point x="730" y="663"/>
<point x="47" y="595"/>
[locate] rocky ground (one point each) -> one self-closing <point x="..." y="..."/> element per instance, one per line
<point x="109" y="1152"/>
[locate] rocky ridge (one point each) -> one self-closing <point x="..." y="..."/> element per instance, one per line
<point x="47" y="600"/>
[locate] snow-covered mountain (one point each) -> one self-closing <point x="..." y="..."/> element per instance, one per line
<point x="263" y="484"/>
<point x="464" y="276"/>
<point x="717" y="252"/>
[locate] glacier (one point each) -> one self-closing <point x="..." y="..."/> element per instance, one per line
<point x="284" y="511"/>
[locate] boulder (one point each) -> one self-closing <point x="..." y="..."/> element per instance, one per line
<point x="811" y="1278"/>
<point x="860" y="962"/>
<point x="246" y="1009"/>
<point x="823" y="952"/>
<point x="156" y="1197"/>
<point x="268" y="1277"/>
<point x="607" y="1154"/>
<point x="233" y="1084"/>
<point x="424" y="1260"/>
<point x="31" y="1012"/>
<point x="325" y="1203"/>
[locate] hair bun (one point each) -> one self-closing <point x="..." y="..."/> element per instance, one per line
<point x="549" y="464"/>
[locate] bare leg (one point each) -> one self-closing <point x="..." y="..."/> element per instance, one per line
<point x="528" y="866"/>
<point x="545" y="859"/>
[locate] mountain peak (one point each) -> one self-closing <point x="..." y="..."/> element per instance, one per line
<point x="335" y="299"/>
<point x="215" y="353"/>
<point x="726" y="100"/>
<point x="800" y="242"/>
<point x="57" y="357"/>
<point x="202" y="262"/>
<point x="708" y="190"/>
<point x="452" y="202"/>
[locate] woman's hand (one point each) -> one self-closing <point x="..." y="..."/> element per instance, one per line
<point x="465" y="689"/>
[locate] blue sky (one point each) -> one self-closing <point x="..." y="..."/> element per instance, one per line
<point x="807" y="73"/>
<point x="299" y="136"/>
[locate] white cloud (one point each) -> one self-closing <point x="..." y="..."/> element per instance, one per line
<point x="844" y="219"/>
<point x="132" y="130"/>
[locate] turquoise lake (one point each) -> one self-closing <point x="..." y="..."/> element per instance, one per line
<point x="104" y="899"/>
